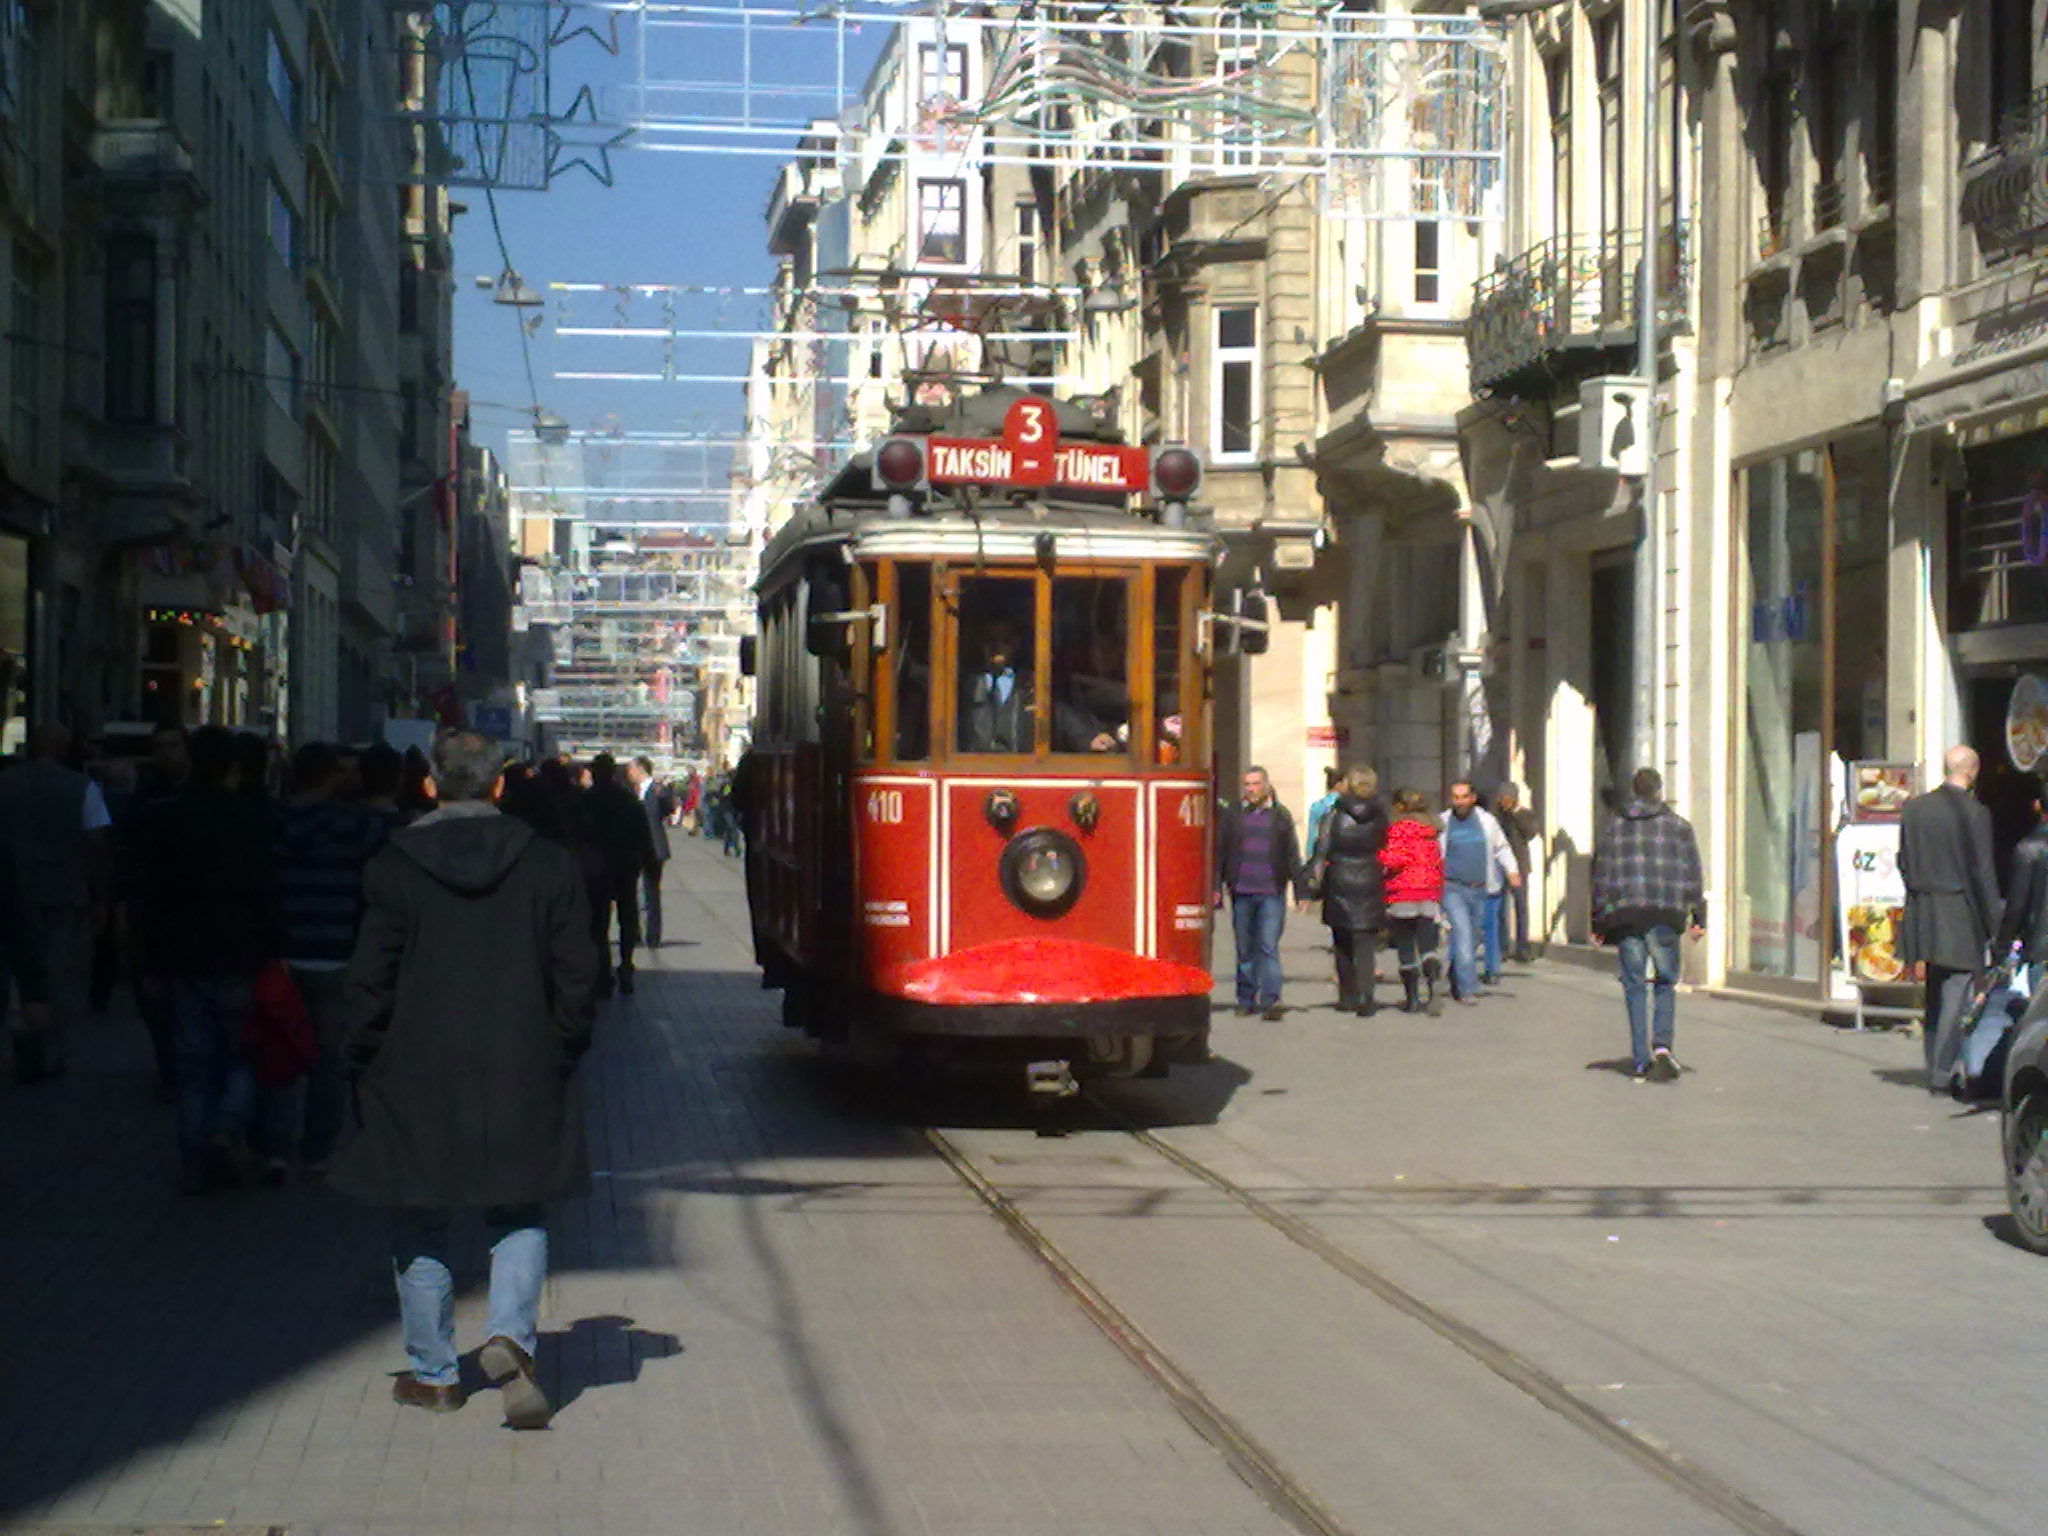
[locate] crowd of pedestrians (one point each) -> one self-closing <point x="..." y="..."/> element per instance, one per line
<point x="223" y="884"/>
<point x="1449" y="892"/>
<point x="372" y="969"/>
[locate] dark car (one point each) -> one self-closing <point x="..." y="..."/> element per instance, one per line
<point x="2025" y="1125"/>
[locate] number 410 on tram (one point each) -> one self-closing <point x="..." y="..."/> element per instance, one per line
<point x="979" y="788"/>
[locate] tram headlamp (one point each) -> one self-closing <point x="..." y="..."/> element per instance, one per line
<point x="1042" y="872"/>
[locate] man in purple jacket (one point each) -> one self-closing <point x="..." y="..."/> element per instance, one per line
<point x="1258" y="856"/>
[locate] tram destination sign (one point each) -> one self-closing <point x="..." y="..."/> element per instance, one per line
<point x="1074" y="466"/>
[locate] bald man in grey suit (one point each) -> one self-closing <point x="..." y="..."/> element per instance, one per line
<point x="1952" y="904"/>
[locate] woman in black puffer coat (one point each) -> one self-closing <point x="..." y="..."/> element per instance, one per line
<point x="1346" y="872"/>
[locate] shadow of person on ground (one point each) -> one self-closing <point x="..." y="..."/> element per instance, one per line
<point x="1621" y="1064"/>
<point x="594" y="1352"/>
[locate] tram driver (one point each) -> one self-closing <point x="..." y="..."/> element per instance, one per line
<point x="996" y="713"/>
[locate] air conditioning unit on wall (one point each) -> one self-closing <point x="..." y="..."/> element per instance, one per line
<point x="1613" y="415"/>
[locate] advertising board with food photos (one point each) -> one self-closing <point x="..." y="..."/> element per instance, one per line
<point x="1870" y="900"/>
<point x="1879" y="791"/>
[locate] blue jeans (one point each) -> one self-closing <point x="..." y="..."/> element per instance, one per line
<point x="426" y="1287"/>
<point x="1464" y="910"/>
<point x="216" y="1094"/>
<point x="1494" y="902"/>
<point x="1258" y="921"/>
<point x="1649" y="965"/>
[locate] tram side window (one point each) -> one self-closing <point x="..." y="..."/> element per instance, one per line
<point x="1169" y="736"/>
<point x="1090" y="643"/>
<point x="913" y="622"/>
<point x="998" y="708"/>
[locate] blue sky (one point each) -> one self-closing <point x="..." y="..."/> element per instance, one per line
<point x="668" y="218"/>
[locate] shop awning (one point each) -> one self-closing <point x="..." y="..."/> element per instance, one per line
<point x="1986" y="395"/>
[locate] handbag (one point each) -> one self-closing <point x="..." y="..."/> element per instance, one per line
<point x="277" y="1035"/>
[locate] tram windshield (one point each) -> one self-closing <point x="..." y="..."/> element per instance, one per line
<point x="1084" y="665"/>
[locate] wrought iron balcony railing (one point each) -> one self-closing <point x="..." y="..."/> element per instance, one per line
<point x="2005" y="189"/>
<point x="1828" y="204"/>
<point x="1569" y="293"/>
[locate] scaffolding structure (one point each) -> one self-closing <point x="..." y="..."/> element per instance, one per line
<point x="1282" y="88"/>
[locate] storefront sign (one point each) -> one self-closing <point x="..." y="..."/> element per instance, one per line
<point x="1878" y="792"/>
<point x="1776" y="620"/>
<point x="1870" y="900"/>
<point x="2026" y="722"/>
<point x="1329" y="736"/>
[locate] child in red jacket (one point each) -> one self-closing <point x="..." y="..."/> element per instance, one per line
<point x="1414" y="863"/>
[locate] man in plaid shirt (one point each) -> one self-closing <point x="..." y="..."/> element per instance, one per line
<point x="1646" y="888"/>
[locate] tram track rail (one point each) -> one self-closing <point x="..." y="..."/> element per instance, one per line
<point x="1259" y="1465"/>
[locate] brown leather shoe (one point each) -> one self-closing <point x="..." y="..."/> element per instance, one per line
<point x="410" y="1392"/>
<point x="510" y="1367"/>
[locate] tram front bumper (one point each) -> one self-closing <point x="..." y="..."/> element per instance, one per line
<point x="1041" y="972"/>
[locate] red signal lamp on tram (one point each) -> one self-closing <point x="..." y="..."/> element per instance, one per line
<point x="901" y="468"/>
<point x="1176" y="479"/>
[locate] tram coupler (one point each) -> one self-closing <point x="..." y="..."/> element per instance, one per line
<point x="1053" y="1079"/>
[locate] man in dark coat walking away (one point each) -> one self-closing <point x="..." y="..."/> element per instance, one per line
<point x="1647" y="888"/>
<point x="625" y="855"/>
<point x="469" y="1004"/>
<point x="1952" y="905"/>
<point x="1258" y="856"/>
<point x="658" y="806"/>
<point x="1345" y="868"/>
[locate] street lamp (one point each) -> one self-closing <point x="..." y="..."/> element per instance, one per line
<point x="1649" y="556"/>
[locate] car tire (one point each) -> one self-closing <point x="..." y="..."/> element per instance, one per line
<point x="2026" y="1169"/>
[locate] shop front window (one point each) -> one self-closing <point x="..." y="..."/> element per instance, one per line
<point x="1777" y="921"/>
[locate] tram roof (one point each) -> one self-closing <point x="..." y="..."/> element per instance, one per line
<point x="1004" y="524"/>
<point x="1000" y="533"/>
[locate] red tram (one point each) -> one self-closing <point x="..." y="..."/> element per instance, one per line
<point x="979" y="790"/>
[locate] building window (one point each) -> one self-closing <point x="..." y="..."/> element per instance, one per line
<point x="17" y="57"/>
<point x="942" y="71"/>
<point x="131" y="330"/>
<point x="1240" y="50"/>
<point x="1234" y="394"/>
<point x="1607" y="71"/>
<point x="942" y="222"/>
<point x="284" y="85"/>
<point x="2009" y="41"/>
<point x="25" y="329"/>
<point x="1027" y="242"/>
<point x="1880" y="144"/>
<point x="1428" y="272"/>
<point x="284" y="228"/>
<point x="281" y="372"/>
<point x="1557" y="74"/>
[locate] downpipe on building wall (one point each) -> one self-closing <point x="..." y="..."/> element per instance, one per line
<point x="1649" y="539"/>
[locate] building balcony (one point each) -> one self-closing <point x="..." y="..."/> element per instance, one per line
<point x="2005" y="189"/>
<point x="143" y="459"/>
<point x="145" y="154"/>
<point x="800" y="190"/>
<point x="1558" y="310"/>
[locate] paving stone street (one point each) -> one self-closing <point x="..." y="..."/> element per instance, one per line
<point x="779" y="1312"/>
